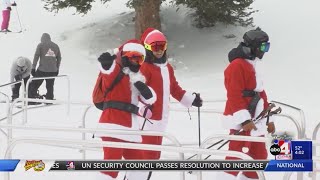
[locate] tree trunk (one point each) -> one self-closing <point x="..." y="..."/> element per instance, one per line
<point x="147" y="15"/>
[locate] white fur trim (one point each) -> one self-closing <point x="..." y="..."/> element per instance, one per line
<point x="259" y="82"/>
<point x="115" y="50"/>
<point x="225" y="176"/>
<point x="137" y="175"/>
<point x="259" y="108"/>
<point x="101" y="176"/>
<point x="234" y="121"/>
<point x="110" y="70"/>
<point x="272" y="119"/>
<point x="161" y="65"/>
<point x="150" y="100"/>
<point x="243" y="177"/>
<point x="153" y="125"/>
<point x="125" y="137"/>
<point x="259" y="79"/>
<point x="152" y="32"/>
<point x="187" y="99"/>
<point x="134" y="77"/>
<point x="261" y="128"/>
<point x="164" y="70"/>
<point x="134" y="47"/>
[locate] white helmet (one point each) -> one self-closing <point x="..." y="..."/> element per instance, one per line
<point x="21" y="61"/>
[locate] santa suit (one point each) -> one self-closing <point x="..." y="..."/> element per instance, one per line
<point x="161" y="78"/>
<point x="241" y="75"/>
<point x="123" y="91"/>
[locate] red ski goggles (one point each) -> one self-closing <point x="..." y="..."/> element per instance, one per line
<point x="134" y="56"/>
<point x="156" y="46"/>
<point x="264" y="47"/>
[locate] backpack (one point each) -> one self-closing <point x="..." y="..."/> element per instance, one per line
<point x="99" y="94"/>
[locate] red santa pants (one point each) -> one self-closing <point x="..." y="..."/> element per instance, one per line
<point x="5" y="19"/>
<point x="118" y="153"/>
<point x="156" y="140"/>
<point x="257" y="150"/>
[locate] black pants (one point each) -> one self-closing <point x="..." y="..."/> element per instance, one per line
<point x="16" y="88"/>
<point x="35" y="84"/>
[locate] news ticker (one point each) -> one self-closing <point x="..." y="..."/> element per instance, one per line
<point x="124" y="165"/>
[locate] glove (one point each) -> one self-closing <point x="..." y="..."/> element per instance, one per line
<point x="18" y="77"/>
<point x="106" y="60"/>
<point x="9" y="8"/>
<point x="248" y="125"/>
<point x="145" y="111"/>
<point x="271" y="128"/>
<point x="197" y="102"/>
<point x="33" y="72"/>
<point x="143" y="89"/>
<point x="14" y="4"/>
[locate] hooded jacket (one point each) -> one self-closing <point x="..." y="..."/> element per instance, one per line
<point x="49" y="54"/>
<point x="24" y="71"/>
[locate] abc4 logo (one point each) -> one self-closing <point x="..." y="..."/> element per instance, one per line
<point x="281" y="147"/>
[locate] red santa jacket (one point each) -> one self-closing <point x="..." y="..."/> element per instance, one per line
<point x="123" y="91"/>
<point x="161" y="78"/>
<point x="241" y="75"/>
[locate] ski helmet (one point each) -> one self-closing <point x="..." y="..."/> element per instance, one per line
<point x="257" y="41"/>
<point x="21" y="62"/>
<point x="254" y="38"/>
<point x="155" y="36"/>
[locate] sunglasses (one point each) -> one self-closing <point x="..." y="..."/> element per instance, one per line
<point x="134" y="56"/>
<point x="156" y="46"/>
<point x="264" y="47"/>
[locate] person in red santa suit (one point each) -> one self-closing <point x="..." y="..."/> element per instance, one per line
<point x="160" y="76"/>
<point x="121" y="104"/>
<point x="246" y="99"/>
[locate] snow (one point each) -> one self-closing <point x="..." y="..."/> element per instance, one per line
<point x="198" y="55"/>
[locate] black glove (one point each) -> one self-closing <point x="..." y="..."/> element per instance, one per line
<point x="18" y="77"/>
<point x="106" y="60"/>
<point x="197" y="102"/>
<point x="33" y="72"/>
<point x="9" y="8"/>
<point x="143" y="89"/>
<point x="14" y="4"/>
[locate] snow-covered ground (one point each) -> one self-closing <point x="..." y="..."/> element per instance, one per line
<point x="199" y="56"/>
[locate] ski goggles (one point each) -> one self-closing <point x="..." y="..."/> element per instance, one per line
<point x="134" y="56"/>
<point x="21" y="68"/>
<point x="156" y="46"/>
<point x="264" y="47"/>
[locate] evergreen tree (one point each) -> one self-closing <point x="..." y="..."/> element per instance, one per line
<point x="206" y="13"/>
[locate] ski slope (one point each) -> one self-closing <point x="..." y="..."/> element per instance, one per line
<point x="199" y="56"/>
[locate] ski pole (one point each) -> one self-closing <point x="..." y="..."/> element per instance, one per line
<point x="260" y="116"/>
<point x="199" y="125"/>
<point x="277" y="111"/>
<point x="19" y="19"/>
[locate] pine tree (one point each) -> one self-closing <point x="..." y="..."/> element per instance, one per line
<point x="206" y="13"/>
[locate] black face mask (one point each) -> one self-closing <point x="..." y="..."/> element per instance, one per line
<point x="133" y="67"/>
<point x="259" y="54"/>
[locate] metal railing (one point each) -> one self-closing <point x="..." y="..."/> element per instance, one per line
<point x="25" y="113"/>
<point x="129" y="146"/>
<point x="7" y="97"/>
<point x="84" y="143"/>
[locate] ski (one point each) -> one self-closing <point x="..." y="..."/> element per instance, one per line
<point x="11" y="32"/>
<point x="34" y="106"/>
